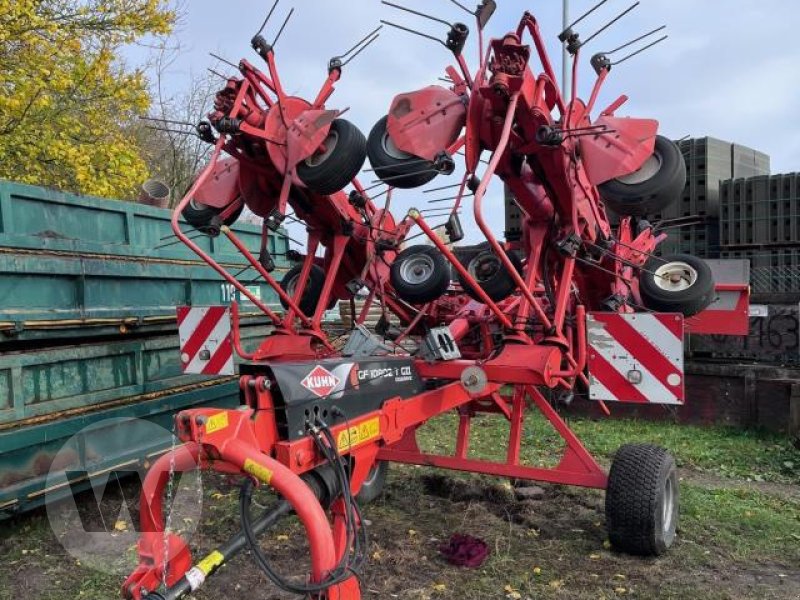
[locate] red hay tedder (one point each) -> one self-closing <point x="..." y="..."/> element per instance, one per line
<point x="504" y="326"/>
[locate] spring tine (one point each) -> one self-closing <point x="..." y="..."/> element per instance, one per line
<point x="381" y="194"/>
<point x="414" y="31"/>
<point x="364" y="47"/>
<point x="361" y="41"/>
<point x="218" y="74"/>
<point x="280" y="31"/>
<point x="415" y="236"/>
<point x="160" y="120"/>
<point x="224" y="60"/>
<point x="393" y="177"/>
<point x="632" y="54"/>
<point x="440" y="188"/>
<point x="171" y="234"/>
<point x="410" y="162"/>
<point x="178" y="241"/>
<point x="587" y="133"/>
<point x="641" y="37"/>
<point x="178" y="131"/>
<point x="269" y="14"/>
<point x="416" y="12"/>
<point x="583" y="16"/>
<point x="450" y="198"/>
<point x="610" y="23"/>
<point x="242" y="271"/>
<point x="462" y="7"/>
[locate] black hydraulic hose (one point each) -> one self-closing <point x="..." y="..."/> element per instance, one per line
<point x="227" y="551"/>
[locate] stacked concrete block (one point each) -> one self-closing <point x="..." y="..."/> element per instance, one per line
<point x="709" y="162"/>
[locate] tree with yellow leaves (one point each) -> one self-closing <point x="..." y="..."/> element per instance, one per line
<point x="66" y="100"/>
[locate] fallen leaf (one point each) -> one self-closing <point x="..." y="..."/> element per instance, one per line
<point x="282" y="537"/>
<point x="620" y="590"/>
<point x="439" y="587"/>
<point x="121" y="525"/>
<point x="594" y="556"/>
<point x="537" y="570"/>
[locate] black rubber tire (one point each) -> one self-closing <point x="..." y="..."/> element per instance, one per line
<point x="640" y="518"/>
<point x="201" y="216"/>
<point x="316" y="279"/>
<point x="498" y="284"/>
<point x="688" y="302"/>
<point x="428" y="289"/>
<point x="654" y="194"/>
<point x="333" y="170"/>
<point x="373" y="486"/>
<point x="398" y="172"/>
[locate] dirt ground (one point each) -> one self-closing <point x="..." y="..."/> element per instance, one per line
<point x="737" y="539"/>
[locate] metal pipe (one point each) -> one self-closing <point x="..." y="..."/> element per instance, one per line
<point x="476" y="205"/>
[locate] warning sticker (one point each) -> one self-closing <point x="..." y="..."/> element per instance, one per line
<point x="217" y="422"/>
<point x="210" y="562"/>
<point x="358" y="434"/>
<point x="258" y="471"/>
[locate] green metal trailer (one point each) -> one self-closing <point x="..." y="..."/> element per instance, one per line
<point x="88" y="334"/>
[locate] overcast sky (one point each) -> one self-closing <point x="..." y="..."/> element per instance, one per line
<point x="730" y="68"/>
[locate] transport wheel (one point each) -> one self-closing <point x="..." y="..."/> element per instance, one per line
<point x="653" y="187"/>
<point x="486" y="268"/>
<point x="393" y="166"/>
<point x="201" y="216"/>
<point x="676" y="283"/>
<point x="420" y="274"/>
<point x="372" y="487"/>
<point x="642" y="500"/>
<point x="330" y="170"/>
<point x="316" y="279"/>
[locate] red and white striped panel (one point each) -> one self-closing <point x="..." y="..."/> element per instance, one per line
<point x="205" y="334"/>
<point x="636" y="357"/>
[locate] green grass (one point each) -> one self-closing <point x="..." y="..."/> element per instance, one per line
<point x="722" y="451"/>
<point x="741" y="525"/>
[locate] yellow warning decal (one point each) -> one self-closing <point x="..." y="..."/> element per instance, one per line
<point x="211" y="562"/>
<point x="358" y="434"/>
<point x="258" y="471"/>
<point x="217" y="422"/>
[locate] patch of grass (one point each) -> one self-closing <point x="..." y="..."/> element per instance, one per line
<point x="742" y="525"/>
<point x="722" y="451"/>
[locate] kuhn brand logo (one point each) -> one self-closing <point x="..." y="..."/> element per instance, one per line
<point x="320" y="381"/>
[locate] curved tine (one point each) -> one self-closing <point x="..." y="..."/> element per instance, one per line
<point x="269" y="14"/>
<point x="361" y="41"/>
<point x="364" y="47"/>
<point x="416" y="12"/>
<point x="633" y="41"/>
<point x="462" y="7"/>
<point x="640" y="50"/>
<point x="280" y="31"/>
<point x="610" y="23"/>
<point x="414" y="31"/>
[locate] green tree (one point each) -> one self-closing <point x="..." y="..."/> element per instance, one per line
<point x="66" y="100"/>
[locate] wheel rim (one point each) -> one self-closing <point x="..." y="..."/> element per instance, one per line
<point x="291" y="286"/>
<point x="675" y="276"/>
<point x="644" y="173"/>
<point x="484" y="267"/>
<point x="668" y="510"/>
<point x="417" y="269"/>
<point x="330" y="142"/>
<point x="390" y="148"/>
<point x="197" y="205"/>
